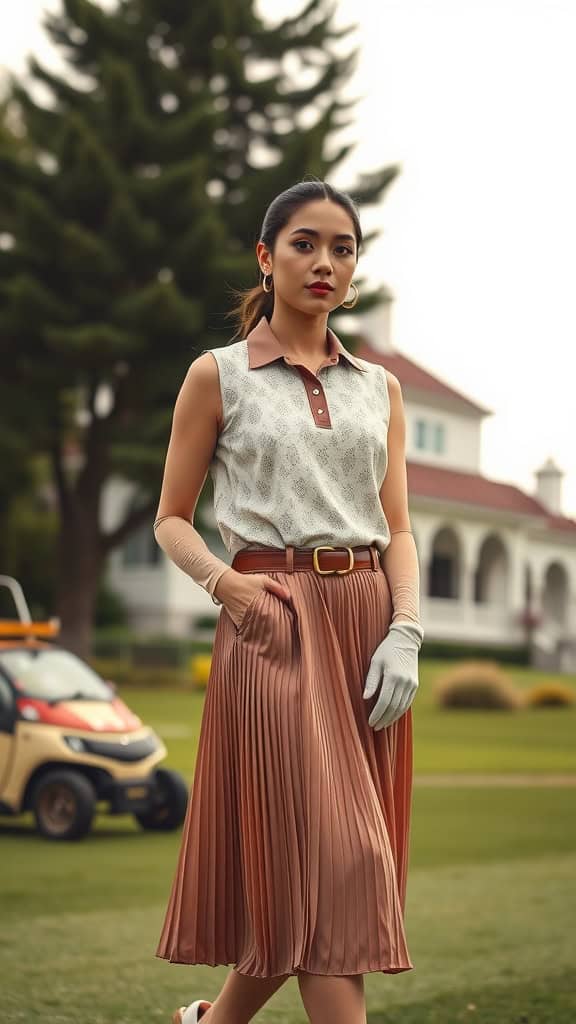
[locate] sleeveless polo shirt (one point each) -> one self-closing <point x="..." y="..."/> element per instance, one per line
<point x="300" y="457"/>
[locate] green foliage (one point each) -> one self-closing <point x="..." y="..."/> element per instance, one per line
<point x="110" y="609"/>
<point x="131" y="202"/>
<point x="136" y="204"/>
<point x="119" y="643"/>
<point x="125" y="674"/>
<point x="27" y="548"/>
<point x="206" y="621"/>
<point x="438" y="649"/>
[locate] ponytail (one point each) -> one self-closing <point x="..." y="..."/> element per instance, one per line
<point x="253" y="304"/>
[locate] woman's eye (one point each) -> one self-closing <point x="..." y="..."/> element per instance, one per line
<point x="342" y="250"/>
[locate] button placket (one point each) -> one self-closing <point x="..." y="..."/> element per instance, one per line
<point x="314" y="391"/>
<point x="316" y="399"/>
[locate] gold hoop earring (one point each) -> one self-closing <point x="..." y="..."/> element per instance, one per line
<point x="350" y="305"/>
<point x="267" y="290"/>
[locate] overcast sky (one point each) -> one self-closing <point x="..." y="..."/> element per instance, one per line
<point x="474" y="98"/>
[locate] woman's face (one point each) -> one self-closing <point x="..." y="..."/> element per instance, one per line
<point x="317" y="244"/>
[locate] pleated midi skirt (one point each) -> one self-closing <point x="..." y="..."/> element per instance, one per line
<point x="295" y="843"/>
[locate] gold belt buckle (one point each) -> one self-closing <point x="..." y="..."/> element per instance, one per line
<point x="331" y="572"/>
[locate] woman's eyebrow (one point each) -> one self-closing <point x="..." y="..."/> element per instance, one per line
<point x="315" y="234"/>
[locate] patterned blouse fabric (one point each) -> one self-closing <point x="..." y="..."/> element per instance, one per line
<point x="301" y="457"/>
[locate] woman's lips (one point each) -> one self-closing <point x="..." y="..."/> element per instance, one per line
<point x="318" y="290"/>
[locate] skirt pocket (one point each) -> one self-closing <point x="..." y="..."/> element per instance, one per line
<point x="269" y="628"/>
<point x="247" y="613"/>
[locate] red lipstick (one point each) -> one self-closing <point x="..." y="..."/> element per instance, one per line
<point x="320" y="287"/>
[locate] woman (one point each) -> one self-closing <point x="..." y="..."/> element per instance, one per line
<point x="294" y="849"/>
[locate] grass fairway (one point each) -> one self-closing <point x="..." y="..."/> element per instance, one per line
<point x="491" y="894"/>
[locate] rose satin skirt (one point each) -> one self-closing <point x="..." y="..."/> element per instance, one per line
<point x="295" y="844"/>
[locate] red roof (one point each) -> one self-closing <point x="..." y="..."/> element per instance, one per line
<point x="472" y="489"/>
<point x="411" y="375"/>
<point x="561" y="523"/>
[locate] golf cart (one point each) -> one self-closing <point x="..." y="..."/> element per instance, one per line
<point x="67" y="741"/>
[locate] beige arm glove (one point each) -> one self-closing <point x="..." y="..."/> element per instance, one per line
<point x="400" y="558"/>
<point x="195" y="426"/>
<point x="400" y="563"/>
<point x="393" y="672"/>
<point x="189" y="551"/>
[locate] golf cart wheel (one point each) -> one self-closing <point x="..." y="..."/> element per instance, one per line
<point x="63" y="803"/>
<point x="168" y="803"/>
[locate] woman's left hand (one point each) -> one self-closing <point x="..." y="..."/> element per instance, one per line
<point x="394" y="668"/>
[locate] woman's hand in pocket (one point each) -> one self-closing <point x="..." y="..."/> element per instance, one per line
<point x="237" y="590"/>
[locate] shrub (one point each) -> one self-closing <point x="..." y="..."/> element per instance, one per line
<point x="206" y="622"/>
<point x="200" y="669"/>
<point x="123" y="674"/>
<point x="477" y="685"/>
<point x="550" y="695"/>
<point x="110" y="608"/>
<point x="124" y="644"/>
<point x="444" y="650"/>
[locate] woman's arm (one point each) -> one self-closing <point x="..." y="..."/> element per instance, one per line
<point x="400" y="559"/>
<point x="393" y="671"/>
<point x="195" y="426"/>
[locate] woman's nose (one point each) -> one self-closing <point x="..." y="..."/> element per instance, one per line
<point x="323" y="261"/>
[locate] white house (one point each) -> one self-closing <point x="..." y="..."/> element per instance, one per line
<point x="494" y="560"/>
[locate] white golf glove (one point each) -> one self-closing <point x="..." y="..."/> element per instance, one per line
<point x="394" y="669"/>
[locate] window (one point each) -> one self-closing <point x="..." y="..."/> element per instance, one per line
<point x="420" y="433"/>
<point x="439" y="437"/>
<point x="52" y="674"/>
<point x="430" y="436"/>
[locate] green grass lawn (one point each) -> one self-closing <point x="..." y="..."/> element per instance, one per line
<point x="525" y="741"/>
<point x="493" y="742"/>
<point x="491" y="894"/>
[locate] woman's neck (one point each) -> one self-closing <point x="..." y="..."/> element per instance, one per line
<point x="301" y="336"/>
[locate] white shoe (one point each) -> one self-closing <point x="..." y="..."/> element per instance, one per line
<point x="191" y="1014"/>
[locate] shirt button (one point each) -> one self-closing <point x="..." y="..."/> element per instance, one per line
<point x="320" y="411"/>
<point x="316" y="391"/>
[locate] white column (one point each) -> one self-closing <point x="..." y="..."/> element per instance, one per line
<point x="467" y="594"/>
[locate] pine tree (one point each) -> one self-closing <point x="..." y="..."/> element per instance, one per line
<point x="130" y="213"/>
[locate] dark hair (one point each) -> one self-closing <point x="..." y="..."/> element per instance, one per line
<point x="254" y="303"/>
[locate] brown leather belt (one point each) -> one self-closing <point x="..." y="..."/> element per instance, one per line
<point x="325" y="559"/>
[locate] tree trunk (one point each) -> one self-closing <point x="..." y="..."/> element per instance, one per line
<point x="81" y="551"/>
<point x="79" y="569"/>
